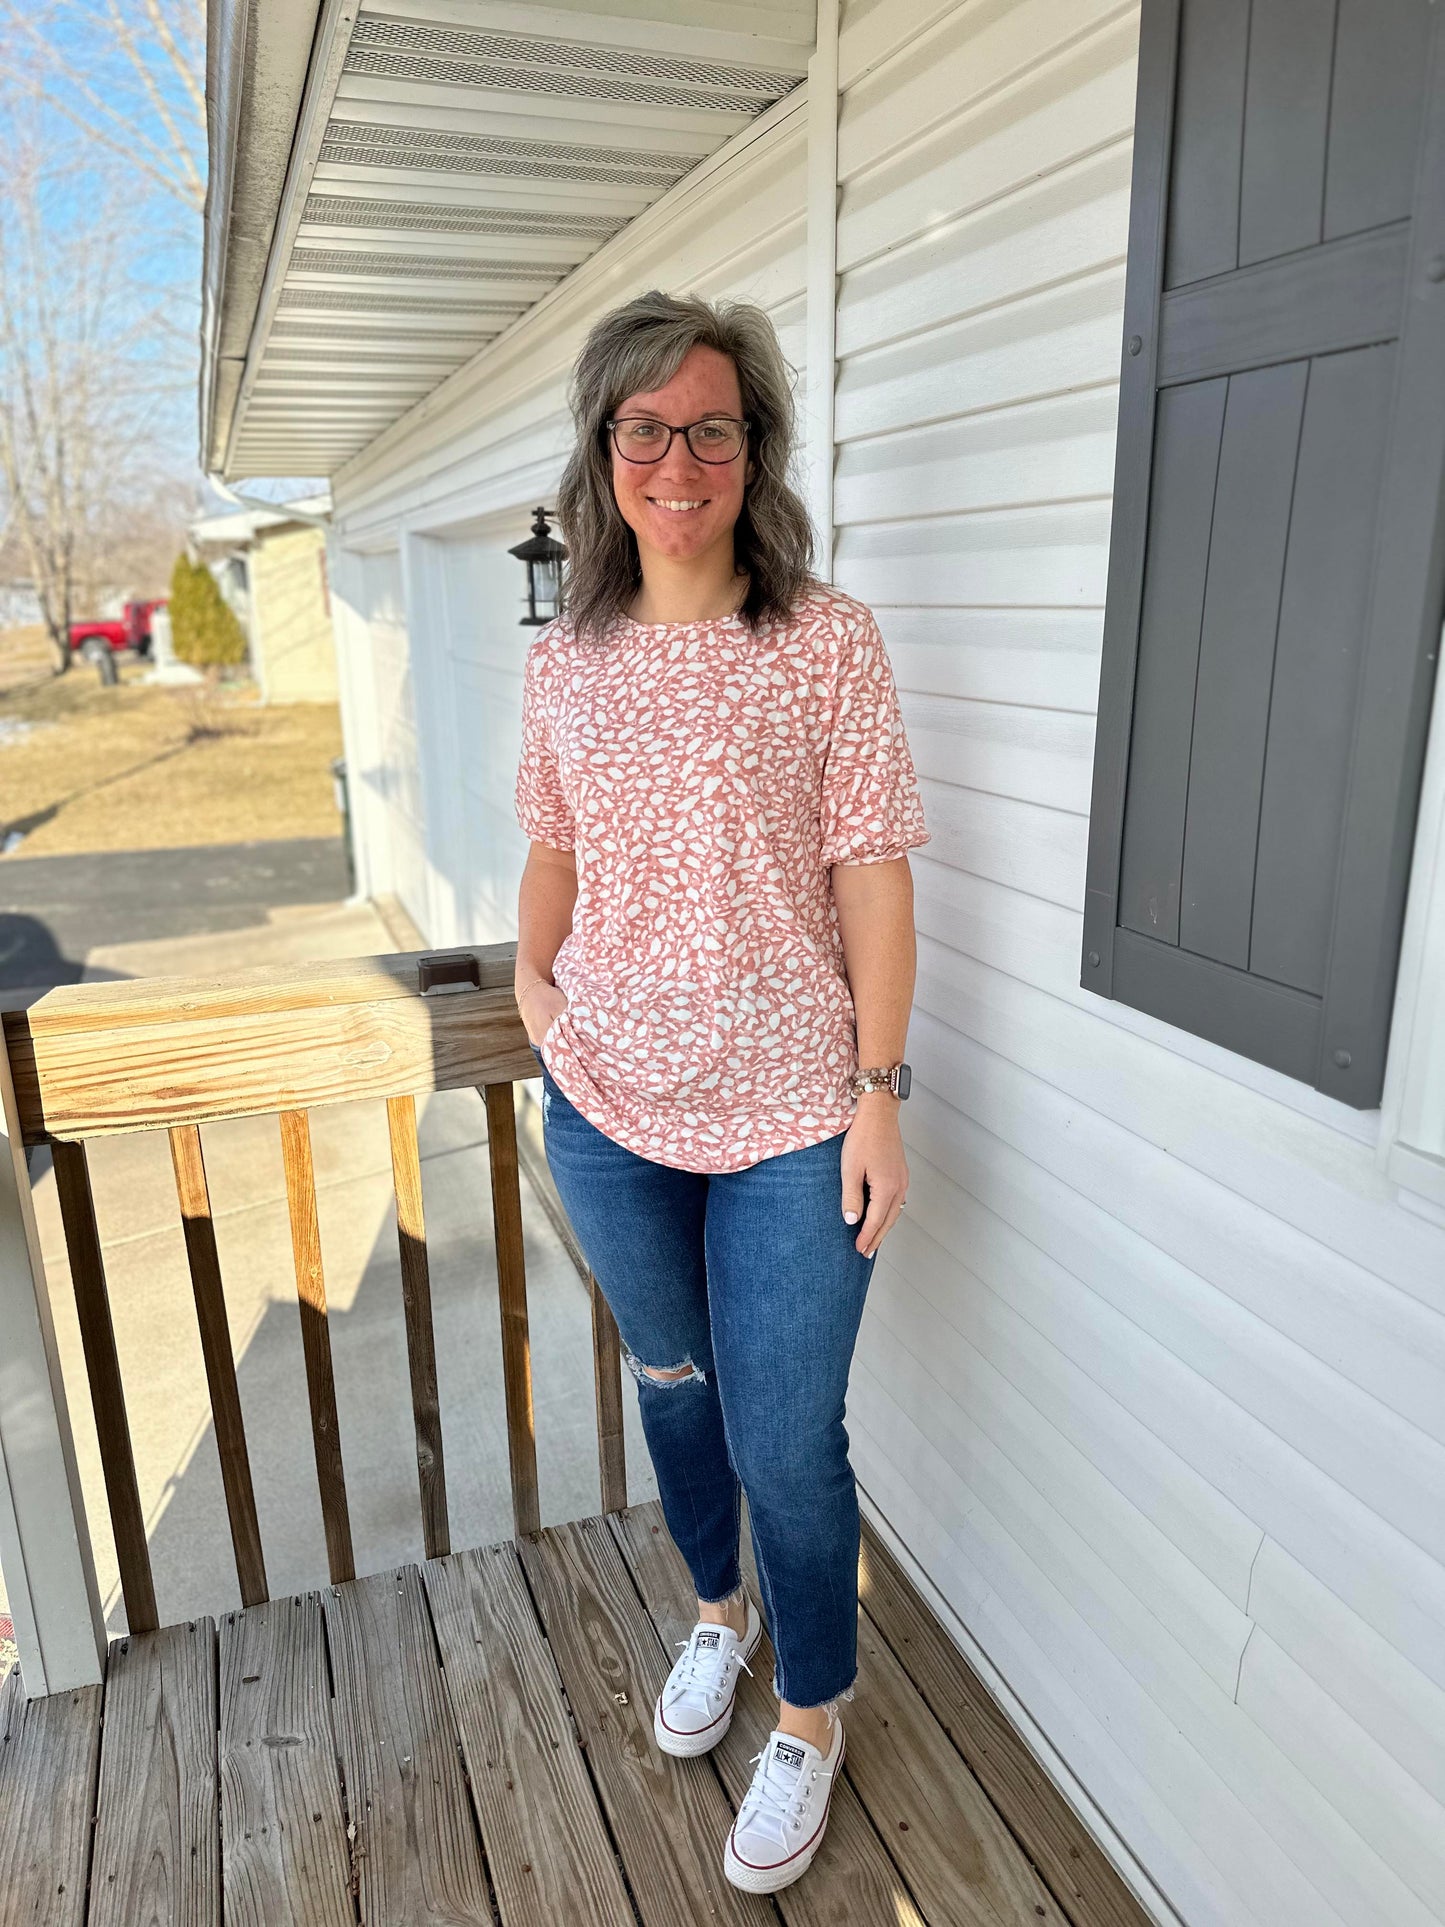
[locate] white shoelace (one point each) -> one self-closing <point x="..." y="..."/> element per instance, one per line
<point x="773" y="1800"/>
<point x="700" y="1671"/>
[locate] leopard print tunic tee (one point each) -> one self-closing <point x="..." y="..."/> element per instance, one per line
<point x="706" y="777"/>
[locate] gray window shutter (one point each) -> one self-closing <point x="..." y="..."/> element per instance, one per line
<point x="1277" y="561"/>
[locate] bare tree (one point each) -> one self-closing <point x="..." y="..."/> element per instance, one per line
<point x="103" y="172"/>
<point x="75" y="394"/>
<point x="127" y="75"/>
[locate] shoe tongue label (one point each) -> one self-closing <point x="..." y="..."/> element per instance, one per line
<point x="709" y="1639"/>
<point x="789" y="1755"/>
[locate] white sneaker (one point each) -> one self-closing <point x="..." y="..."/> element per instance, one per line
<point x="779" y="1826"/>
<point x="695" y="1707"/>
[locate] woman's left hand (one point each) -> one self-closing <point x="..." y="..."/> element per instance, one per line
<point x="873" y="1151"/>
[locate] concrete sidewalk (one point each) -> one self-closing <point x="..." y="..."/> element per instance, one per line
<point x="155" y="1320"/>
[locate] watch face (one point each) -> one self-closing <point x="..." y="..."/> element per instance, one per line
<point x="905" y="1079"/>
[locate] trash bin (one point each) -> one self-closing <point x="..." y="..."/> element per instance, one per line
<point x="98" y="653"/>
<point x="343" y="804"/>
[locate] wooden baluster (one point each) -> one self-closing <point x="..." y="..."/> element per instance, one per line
<point x="607" y="1373"/>
<point x="220" y="1360"/>
<point x="420" y="1334"/>
<point x="316" y="1340"/>
<point x="512" y="1294"/>
<point x="107" y="1394"/>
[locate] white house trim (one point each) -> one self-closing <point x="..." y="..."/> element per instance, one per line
<point x="822" y="278"/>
<point x="1412" y="1127"/>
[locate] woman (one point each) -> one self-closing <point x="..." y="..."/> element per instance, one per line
<point x="716" y="931"/>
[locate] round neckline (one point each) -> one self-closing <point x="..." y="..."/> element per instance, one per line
<point x="703" y="622"/>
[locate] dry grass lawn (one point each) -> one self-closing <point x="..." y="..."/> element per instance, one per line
<point x="85" y="767"/>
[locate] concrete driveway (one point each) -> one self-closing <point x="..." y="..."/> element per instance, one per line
<point x="56" y="911"/>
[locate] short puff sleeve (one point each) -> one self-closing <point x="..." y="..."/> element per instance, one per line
<point x="872" y="810"/>
<point x="542" y="809"/>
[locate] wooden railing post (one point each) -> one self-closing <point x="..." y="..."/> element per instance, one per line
<point x="45" y="1550"/>
<point x="512" y="1297"/>
<point x="607" y="1375"/>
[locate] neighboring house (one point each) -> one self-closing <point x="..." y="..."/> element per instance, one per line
<point x="1151" y="1388"/>
<point x="19" y="606"/>
<point x="271" y="567"/>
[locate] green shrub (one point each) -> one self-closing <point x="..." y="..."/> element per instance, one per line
<point x="204" y="629"/>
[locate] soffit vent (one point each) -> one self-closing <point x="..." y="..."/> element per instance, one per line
<point x="434" y="344"/>
<point x="340" y="210"/>
<point x="441" y="161"/>
<point x="367" y="144"/>
<point x="536" y="80"/>
<point x="365" y="131"/>
<point x="460" y="43"/>
<point x="421" y="267"/>
<point x="282" y="353"/>
<point x="343" y="301"/>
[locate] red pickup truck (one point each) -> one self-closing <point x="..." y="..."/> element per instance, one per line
<point x="130" y="631"/>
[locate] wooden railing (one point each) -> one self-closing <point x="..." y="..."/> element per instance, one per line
<point x="176" y="1054"/>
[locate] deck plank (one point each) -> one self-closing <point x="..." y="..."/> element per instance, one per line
<point x="1082" y="1878"/>
<point x="852" y="1877"/>
<point x="416" y="1849"/>
<point x="49" y="1755"/>
<point x="546" y="1843"/>
<point x="157" y="1854"/>
<point x="669" y="1817"/>
<point x="964" y="1866"/>
<point x="284" y="1857"/>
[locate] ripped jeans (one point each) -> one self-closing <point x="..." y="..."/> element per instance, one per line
<point x="753" y="1280"/>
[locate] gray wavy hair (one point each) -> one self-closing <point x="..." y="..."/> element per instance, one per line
<point x="632" y="350"/>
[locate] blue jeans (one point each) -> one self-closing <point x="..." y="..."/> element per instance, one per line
<point x="752" y="1279"/>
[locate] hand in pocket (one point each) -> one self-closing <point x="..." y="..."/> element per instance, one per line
<point x="543" y="1008"/>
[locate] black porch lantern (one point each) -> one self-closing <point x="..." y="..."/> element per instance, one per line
<point x="544" y="556"/>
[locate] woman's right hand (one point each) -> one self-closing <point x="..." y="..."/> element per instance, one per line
<point x="540" y="1011"/>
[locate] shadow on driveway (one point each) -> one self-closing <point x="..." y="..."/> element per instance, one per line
<point x="54" y="910"/>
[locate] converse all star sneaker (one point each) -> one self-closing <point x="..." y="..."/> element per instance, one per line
<point x="695" y="1707"/>
<point x="779" y="1826"/>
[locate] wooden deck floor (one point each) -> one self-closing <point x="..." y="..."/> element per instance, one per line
<point x="470" y="1740"/>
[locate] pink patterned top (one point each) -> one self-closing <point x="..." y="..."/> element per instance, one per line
<point x="706" y="777"/>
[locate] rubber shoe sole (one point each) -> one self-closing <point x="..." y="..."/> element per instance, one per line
<point x="768" y="1880"/>
<point x="687" y="1746"/>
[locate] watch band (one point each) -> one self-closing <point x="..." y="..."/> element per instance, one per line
<point x="883" y="1077"/>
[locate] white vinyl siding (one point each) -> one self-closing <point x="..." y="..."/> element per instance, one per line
<point x="1150" y="1380"/>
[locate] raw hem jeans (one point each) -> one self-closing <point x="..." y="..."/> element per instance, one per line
<point x="753" y="1281"/>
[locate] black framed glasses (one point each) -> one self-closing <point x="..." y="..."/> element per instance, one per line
<point x="716" y="438"/>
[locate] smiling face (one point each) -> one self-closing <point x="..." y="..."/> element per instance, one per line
<point x="680" y="508"/>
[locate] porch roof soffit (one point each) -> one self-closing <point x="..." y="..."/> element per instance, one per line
<point x="394" y="183"/>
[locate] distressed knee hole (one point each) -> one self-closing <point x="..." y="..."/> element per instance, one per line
<point x="665" y="1374"/>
